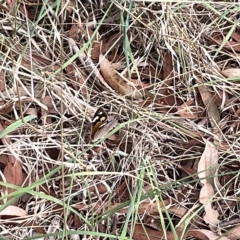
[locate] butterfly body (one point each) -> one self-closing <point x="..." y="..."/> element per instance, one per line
<point x="102" y="124"/>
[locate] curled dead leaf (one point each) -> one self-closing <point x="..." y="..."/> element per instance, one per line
<point x="116" y="81"/>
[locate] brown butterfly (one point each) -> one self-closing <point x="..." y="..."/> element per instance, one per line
<point x="102" y="124"/>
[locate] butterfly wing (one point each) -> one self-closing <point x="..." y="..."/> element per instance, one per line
<point x="102" y="124"/>
<point x="99" y="118"/>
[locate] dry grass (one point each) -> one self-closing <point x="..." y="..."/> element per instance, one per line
<point x="144" y="173"/>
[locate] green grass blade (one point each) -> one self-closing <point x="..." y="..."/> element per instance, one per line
<point x="16" y="125"/>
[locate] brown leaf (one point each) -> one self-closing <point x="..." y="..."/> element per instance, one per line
<point x="233" y="233"/>
<point x="208" y="164"/>
<point x="151" y="208"/>
<point x="13" y="169"/>
<point x="236" y="37"/>
<point x="73" y="33"/>
<point x="13" y="173"/>
<point x="4" y="8"/>
<point x="204" y="235"/>
<point x="168" y="75"/>
<point x="178" y="211"/>
<point x="100" y="188"/>
<point x="13" y="211"/>
<point x="116" y="81"/>
<point x="11" y="3"/>
<point x="96" y="49"/>
<point x="146" y="233"/>
<point x="168" y="72"/>
<point x="48" y="103"/>
<point x="186" y="111"/>
<point x="44" y="61"/>
<point x="230" y="45"/>
<point x="231" y="72"/>
<point x="2" y="80"/>
<point x="126" y="146"/>
<point x="207" y="167"/>
<point x="138" y="83"/>
<point x="147" y="72"/>
<point x="87" y="62"/>
<point x="77" y="221"/>
<point x="31" y="111"/>
<point x="101" y="47"/>
<point x="207" y="97"/>
<point x="4" y="158"/>
<point x="211" y="106"/>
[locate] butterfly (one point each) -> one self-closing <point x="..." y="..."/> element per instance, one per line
<point x="102" y="124"/>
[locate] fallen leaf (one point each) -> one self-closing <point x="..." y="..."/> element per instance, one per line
<point x="230" y="45"/>
<point x="146" y="233"/>
<point x="151" y="208"/>
<point x="207" y="167"/>
<point x="231" y="72"/>
<point x="208" y="164"/>
<point x="13" y="174"/>
<point x="168" y="72"/>
<point x="100" y="188"/>
<point x="186" y="111"/>
<point x="218" y="38"/>
<point x="13" y="169"/>
<point x="48" y="103"/>
<point x="116" y="81"/>
<point x="4" y="159"/>
<point x="148" y="72"/>
<point x="104" y="45"/>
<point x="152" y="222"/>
<point x="168" y="75"/>
<point x="234" y="233"/>
<point x="73" y="33"/>
<point x="2" y="80"/>
<point x="31" y="111"/>
<point x="11" y="3"/>
<point x="77" y="221"/>
<point x="13" y="211"/>
<point x="138" y="83"/>
<point x="87" y="62"/>
<point x="205" y="234"/>
<point x="178" y="211"/>
<point x="211" y="106"/>
<point x="236" y="37"/>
